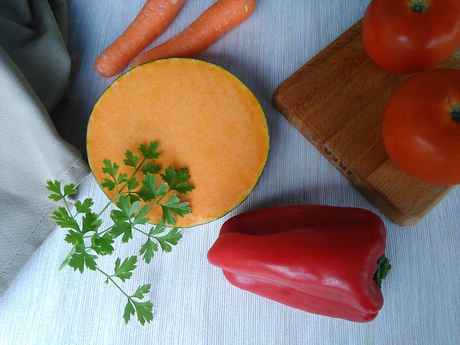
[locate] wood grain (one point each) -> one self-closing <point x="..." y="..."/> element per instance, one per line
<point x="336" y="101"/>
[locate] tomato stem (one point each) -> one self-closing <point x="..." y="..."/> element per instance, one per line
<point x="455" y="112"/>
<point x="419" y="6"/>
<point x="383" y="268"/>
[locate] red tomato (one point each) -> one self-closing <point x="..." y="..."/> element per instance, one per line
<point x="421" y="126"/>
<point x="410" y="36"/>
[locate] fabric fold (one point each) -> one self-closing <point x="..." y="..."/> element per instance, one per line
<point x="34" y="72"/>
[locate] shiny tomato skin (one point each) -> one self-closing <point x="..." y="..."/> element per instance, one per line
<point x="400" y="40"/>
<point x="418" y="132"/>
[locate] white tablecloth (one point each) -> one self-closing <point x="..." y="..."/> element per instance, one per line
<point x="193" y="303"/>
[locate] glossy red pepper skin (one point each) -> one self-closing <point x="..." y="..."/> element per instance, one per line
<point x="320" y="259"/>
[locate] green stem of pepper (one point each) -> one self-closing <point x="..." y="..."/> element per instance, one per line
<point x="455" y="112"/>
<point x="383" y="268"/>
<point x="419" y="6"/>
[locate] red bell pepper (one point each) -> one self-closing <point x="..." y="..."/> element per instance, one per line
<point x="321" y="259"/>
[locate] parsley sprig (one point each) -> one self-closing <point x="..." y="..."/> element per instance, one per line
<point x="134" y="199"/>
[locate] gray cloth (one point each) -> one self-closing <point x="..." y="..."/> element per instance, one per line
<point x="34" y="71"/>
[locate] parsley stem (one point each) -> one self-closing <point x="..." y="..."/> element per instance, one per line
<point x="67" y="206"/>
<point x="157" y="202"/>
<point x="106" y="230"/>
<point x="109" y="277"/>
<point x="161" y="198"/>
<point x="141" y="231"/>
<point x="107" y="205"/>
<point x="66" y="260"/>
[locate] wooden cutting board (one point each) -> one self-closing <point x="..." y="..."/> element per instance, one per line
<point x="336" y="101"/>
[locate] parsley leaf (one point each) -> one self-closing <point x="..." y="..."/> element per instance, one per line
<point x="141" y="291"/>
<point x="55" y="189"/>
<point x="91" y="222"/>
<point x="126" y="209"/>
<point x="75" y="238"/>
<point x="70" y="189"/>
<point x="132" y="183"/>
<point x="56" y="193"/>
<point x="122" y="178"/>
<point x="122" y="228"/>
<point x="144" y="311"/>
<point x="148" y="249"/>
<point x="81" y="259"/>
<point x="102" y="245"/>
<point x="124" y="271"/>
<point x="177" y="180"/>
<point x="129" y="310"/>
<point x="131" y="159"/>
<point x="149" y="167"/>
<point x="150" y="152"/>
<point x="172" y="207"/>
<point x="149" y="190"/>
<point x="108" y="184"/>
<point x="110" y="168"/>
<point x="63" y="219"/>
<point x="172" y="238"/>
<point x="85" y="206"/>
<point x="140" y="217"/>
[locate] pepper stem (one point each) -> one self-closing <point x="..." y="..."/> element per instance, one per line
<point x="419" y="6"/>
<point x="383" y="268"/>
<point x="455" y="112"/>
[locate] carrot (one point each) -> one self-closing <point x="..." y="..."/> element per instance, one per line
<point x="211" y="25"/>
<point x="152" y="20"/>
